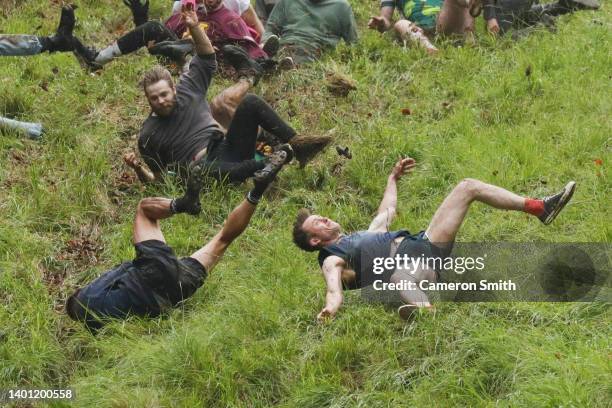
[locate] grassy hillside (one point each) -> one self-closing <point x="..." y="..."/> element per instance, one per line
<point x="249" y="338"/>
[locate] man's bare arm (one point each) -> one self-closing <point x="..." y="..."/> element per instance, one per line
<point x="250" y="17"/>
<point x="382" y="23"/>
<point x="332" y="272"/>
<point x="203" y="46"/>
<point x="387" y="208"/>
<point x="144" y="174"/>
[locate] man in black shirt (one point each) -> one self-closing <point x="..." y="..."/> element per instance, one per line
<point x="157" y="280"/>
<point x="181" y="128"/>
<point x="347" y="260"/>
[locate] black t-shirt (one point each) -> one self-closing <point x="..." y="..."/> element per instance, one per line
<point x="358" y="250"/>
<point x="177" y="138"/>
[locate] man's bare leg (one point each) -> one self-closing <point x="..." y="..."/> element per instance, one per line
<point x="223" y="106"/>
<point x="409" y="32"/>
<point x="240" y="216"/>
<point x="455" y="18"/>
<point x="235" y="225"/>
<point x="448" y="218"/>
<point x="148" y="213"/>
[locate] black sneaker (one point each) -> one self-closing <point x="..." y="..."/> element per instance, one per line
<point x="240" y="60"/>
<point x="86" y="56"/>
<point x="271" y="45"/>
<point x="175" y="50"/>
<point x="286" y="147"/>
<point x="63" y="40"/>
<point x="554" y="204"/>
<point x="274" y="163"/>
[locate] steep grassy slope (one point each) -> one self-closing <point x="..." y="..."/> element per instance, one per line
<point x="248" y="338"/>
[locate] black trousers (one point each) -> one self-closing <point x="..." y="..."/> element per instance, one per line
<point x="525" y="13"/>
<point x="141" y="35"/>
<point x="233" y="156"/>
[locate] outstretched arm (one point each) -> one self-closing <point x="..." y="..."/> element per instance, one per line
<point x="203" y="46"/>
<point x="382" y="23"/>
<point x="332" y="272"/>
<point x="388" y="205"/>
<point x="144" y="175"/>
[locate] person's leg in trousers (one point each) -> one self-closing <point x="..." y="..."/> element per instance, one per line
<point x="252" y="113"/>
<point x="24" y="44"/>
<point x="144" y="35"/>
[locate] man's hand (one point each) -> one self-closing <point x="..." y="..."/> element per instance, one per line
<point x="190" y="17"/>
<point x="402" y="167"/>
<point x="493" y="26"/>
<point x="379" y="23"/>
<point x="325" y="314"/>
<point x="131" y="160"/>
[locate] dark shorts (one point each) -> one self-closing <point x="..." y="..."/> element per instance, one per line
<point x="419" y="245"/>
<point x="154" y="281"/>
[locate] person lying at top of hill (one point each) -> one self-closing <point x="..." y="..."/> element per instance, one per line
<point x="223" y="27"/>
<point x="181" y="129"/>
<point x="26" y="44"/>
<point x="157" y="280"/>
<point x="421" y="19"/>
<point x="308" y="27"/>
<point x="502" y="15"/>
<point x="347" y="259"/>
<point x="241" y="7"/>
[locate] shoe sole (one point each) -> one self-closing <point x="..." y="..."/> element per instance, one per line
<point x="271" y="170"/>
<point x="271" y="46"/>
<point x="406" y="311"/>
<point x="568" y="192"/>
<point x="90" y="67"/>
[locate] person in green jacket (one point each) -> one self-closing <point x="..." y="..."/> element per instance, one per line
<point x="308" y="27"/>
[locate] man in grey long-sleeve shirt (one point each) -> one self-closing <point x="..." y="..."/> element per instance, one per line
<point x="502" y="15"/>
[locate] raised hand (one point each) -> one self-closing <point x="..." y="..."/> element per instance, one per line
<point x="379" y="23"/>
<point x="402" y="167"/>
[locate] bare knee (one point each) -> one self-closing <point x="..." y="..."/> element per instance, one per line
<point x="402" y="26"/>
<point x="469" y="187"/>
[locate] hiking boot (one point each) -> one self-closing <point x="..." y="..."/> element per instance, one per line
<point x="63" y="40"/>
<point x="406" y="312"/>
<point x="580" y="4"/>
<point x="175" y="50"/>
<point x="306" y="148"/>
<point x="86" y="56"/>
<point x="271" y="46"/>
<point x="274" y="163"/>
<point x="140" y="11"/>
<point x="240" y="60"/>
<point x="554" y="204"/>
<point x="286" y="147"/>
<point x="190" y="202"/>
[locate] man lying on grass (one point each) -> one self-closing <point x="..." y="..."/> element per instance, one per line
<point x="181" y="128"/>
<point x="306" y="28"/>
<point x="347" y="260"/>
<point x="24" y="44"/>
<point x="502" y="15"/>
<point x="156" y="279"/>
<point x="423" y="18"/>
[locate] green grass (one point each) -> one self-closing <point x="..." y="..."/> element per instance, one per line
<point x="248" y="338"/>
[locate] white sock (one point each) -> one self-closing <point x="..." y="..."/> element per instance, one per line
<point x="107" y="54"/>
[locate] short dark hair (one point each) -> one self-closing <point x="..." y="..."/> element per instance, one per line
<point x="154" y="75"/>
<point x="300" y="237"/>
